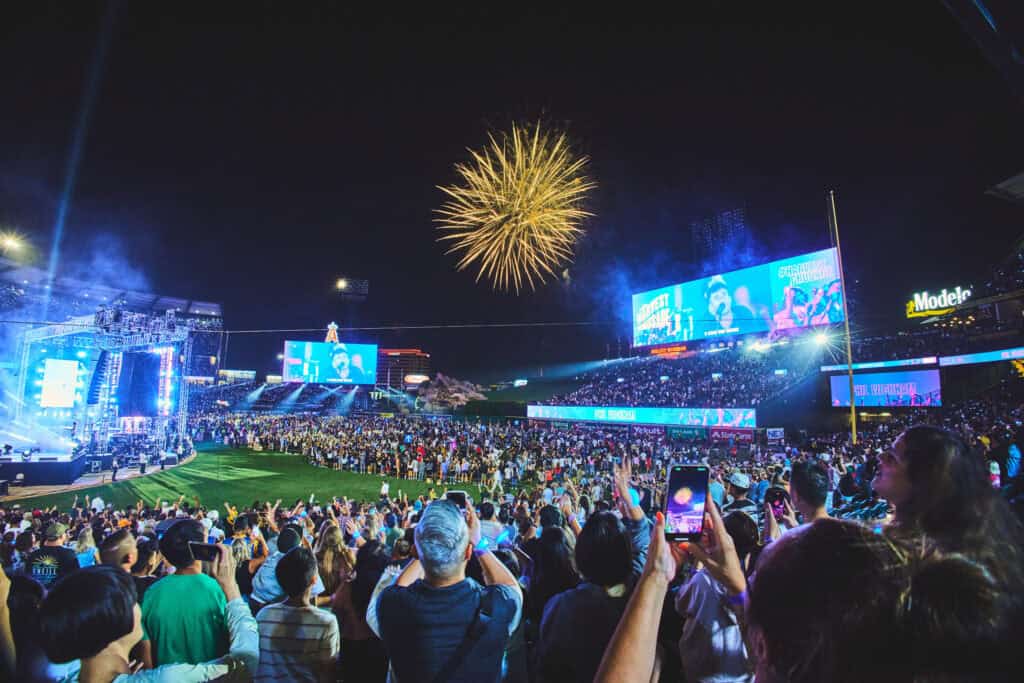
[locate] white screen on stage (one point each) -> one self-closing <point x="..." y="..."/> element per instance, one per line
<point x="59" y="377"/>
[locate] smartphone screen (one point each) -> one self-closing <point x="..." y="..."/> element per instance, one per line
<point x="204" y="552"/>
<point x="685" y="499"/>
<point x="457" y="497"/>
<point x="777" y="498"/>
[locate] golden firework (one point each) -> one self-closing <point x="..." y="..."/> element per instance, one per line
<point x="517" y="213"/>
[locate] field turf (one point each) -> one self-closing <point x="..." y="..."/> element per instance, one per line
<point x="239" y="476"/>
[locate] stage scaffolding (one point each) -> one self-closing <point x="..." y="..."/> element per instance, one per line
<point x="115" y="331"/>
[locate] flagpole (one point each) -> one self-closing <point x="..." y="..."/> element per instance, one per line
<point x="846" y="315"/>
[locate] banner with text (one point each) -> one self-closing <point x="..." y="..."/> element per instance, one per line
<point x="698" y="417"/>
<point x="732" y="434"/>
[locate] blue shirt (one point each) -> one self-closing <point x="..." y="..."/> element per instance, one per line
<point x="717" y="492"/>
<point x="422" y="627"/>
<point x="266" y="589"/>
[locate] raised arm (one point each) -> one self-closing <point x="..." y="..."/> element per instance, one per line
<point x="631" y="653"/>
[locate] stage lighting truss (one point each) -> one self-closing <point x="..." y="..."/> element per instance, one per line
<point x="116" y="331"/>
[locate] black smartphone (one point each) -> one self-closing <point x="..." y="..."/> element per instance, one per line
<point x="777" y="498"/>
<point x="685" y="498"/>
<point x="204" y="552"/>
<point x="457" y="497"/>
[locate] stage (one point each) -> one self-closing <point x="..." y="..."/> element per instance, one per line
<point x="81" y="480"/>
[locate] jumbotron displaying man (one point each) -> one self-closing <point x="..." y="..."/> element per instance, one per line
<point x="727" y="314"/>
<point x="347" y="368"/>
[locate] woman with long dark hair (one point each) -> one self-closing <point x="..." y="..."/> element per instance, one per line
<point x="554" y="571"/>
<point x="941" y="490"/>
<point x="362" y="654"/>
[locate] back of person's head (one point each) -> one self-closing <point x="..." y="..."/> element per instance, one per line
<point x="810" y="482"/>
<point x="296" y="571"/>
<point x="487" y="510"/>
<point x="743" y="530"/>
<point x="554" y="569"/>
<point x="604" y="551"/>
<point x="828" y="595"/>
<point x="174" y="543"/>
<point x="85" y="611"/>
<point x="441" y="539"/>
<point x="551" y="516"/>
<point x="290" y="537"/>
<point x="241" y="525"/>
<point x="390" y="520"/>
<point x="118" y="548"/>
<point x="371" y="560"/>
<point x="84" y="541"/>
<point x="146" y="547"/>
<point x="952" y="500"/>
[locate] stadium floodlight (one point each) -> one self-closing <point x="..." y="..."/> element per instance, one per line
<point x="341" y="285"/>
<point x="11" y="242"/>
<point x="821" y="339"/>
<point x="280" y="356"/>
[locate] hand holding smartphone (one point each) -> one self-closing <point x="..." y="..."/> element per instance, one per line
<point x="686" y="496"/>
<point x="204" y="552"/>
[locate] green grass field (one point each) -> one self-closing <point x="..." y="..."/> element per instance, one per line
<point x="239" y="476"/>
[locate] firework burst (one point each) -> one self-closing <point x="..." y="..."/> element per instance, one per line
<point x="516" y="214"/>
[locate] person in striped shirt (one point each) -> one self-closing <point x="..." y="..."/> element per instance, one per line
<point x="298" y="642"/>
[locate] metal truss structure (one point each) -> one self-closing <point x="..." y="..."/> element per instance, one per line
<point x="116" y="331"/>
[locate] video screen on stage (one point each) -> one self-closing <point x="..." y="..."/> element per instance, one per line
<point x="797" y="292"/>
<point x="890" y="389"/>
<point x="329" y="363"/>
<point x="59" y="380"/>
<point x="745" y="418"/>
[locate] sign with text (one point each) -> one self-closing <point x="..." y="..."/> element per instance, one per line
<point x="700" y="417"/>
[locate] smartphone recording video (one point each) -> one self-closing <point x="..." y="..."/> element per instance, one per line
<point x="457" y="497"/>
<point x="777" y="498"/>
<point x="204" y="552"/>
<point x="685" y="500"/>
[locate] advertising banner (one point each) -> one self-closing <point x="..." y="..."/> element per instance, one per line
<point x="700" y="417"/>
<point x="732" y="434"/>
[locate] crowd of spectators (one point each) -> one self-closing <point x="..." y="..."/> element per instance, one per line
<point x="740" y="376"/>
<point x="556" y="567"/>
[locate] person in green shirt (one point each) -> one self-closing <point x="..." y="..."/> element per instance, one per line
<point x="393" y="533"/>
<point x="184" y="614"/>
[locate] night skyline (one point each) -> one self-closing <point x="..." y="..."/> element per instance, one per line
<point x="252" y="160"/>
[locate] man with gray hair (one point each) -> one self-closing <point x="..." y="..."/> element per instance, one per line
<point x="437" y="624"/>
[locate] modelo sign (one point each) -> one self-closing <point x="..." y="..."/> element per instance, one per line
<point x="925" y="303"/>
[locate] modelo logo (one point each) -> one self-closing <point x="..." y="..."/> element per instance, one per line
<point x="924" y="303"/>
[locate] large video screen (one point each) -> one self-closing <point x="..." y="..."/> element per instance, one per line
<point x="329" y="363"/>
<point x="801" y="291"/>
<point x="59" y="380"/>
<point x="745" y="418"/>
<point x="891" y="389"/>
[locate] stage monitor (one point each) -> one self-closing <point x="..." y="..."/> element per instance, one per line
<point x="745" y="418"/>
<point x="329" y="363"/>
<point x="59" y="380"/>
<point x="919" y="388"/>
<point x="789" y="294"/>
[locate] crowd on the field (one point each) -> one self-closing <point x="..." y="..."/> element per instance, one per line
<point x="815" y="552"/>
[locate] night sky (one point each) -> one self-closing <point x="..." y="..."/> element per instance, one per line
<point x="253" y="157"/>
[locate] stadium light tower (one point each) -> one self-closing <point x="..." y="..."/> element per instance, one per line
<point x="10" y="242"/>
<point x="341" y="285"/>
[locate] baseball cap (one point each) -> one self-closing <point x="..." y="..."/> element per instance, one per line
<point x="739" y="480"/>
<point x="55" y="531"/>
